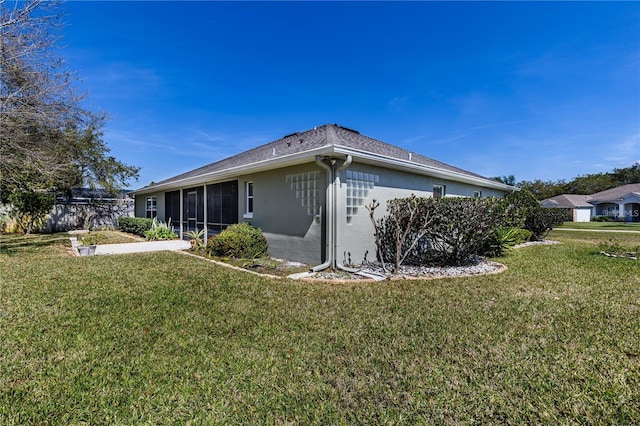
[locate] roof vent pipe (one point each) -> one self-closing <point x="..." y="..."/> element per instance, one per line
<point x="409" y="156"/>
<point x="274" y="152"/>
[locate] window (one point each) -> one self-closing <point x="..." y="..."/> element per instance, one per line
<point x="152" y="208"/>
<point x="477" y="194"/>
<point x="439" y="191"/>
<point x="248" y="212"/>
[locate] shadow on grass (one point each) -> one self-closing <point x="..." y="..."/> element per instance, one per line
<point x="10" y="244"/>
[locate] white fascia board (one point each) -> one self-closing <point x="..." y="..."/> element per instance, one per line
<point x="397" y="164"/>
<point x="327" y="150"/>
<point x="234" y="172"/>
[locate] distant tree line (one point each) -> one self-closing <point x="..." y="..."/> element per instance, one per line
<point x="586" y="184"/>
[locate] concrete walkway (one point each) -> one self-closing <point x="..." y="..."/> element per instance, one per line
<point x="145" y="246"/>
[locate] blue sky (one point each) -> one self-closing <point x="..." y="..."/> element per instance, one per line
<point x="544" y="90"/>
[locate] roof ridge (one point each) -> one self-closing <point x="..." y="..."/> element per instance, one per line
<point x="331" y="135"/>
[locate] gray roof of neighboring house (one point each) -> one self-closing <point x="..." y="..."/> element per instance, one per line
<point x="329" y="138"/>
<point x="615" y="194"/>
<point x="566" y="201"/>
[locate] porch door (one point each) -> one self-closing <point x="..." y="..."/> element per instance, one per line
<point x="192" y="210"/>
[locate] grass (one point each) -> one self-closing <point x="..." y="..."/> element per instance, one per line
<point x="603" y="226"/>
<point x="163" y="338"/>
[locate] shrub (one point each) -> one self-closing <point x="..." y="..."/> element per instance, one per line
<point x="503" y="239"/>
<point x="524" y="211"/>
<point x="241" y="241"/>
<point x="603" y="218"/>
<point x="197" y="240"/>
<point x="160" y="231"/>
<point x="134" y="225"/>
<point x="401" y="235"/>
<point x="462" y="228"/>
<point x="516" y="206"/>
<point x="542" y="220"/>
<point x="448" y="231"/>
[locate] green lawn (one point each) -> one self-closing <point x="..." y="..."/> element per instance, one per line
<point x="163" y="338"/>
<point x="603" y="226"/>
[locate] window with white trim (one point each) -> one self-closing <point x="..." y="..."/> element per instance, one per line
<point x="248" y="206"/>
<point x="151" y="207"/>
<point x="439" y="191"/>
<point x="477" y="194"/>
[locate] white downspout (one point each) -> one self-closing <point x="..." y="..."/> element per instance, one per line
<point x="329" y="216"/>
<point x="332" y="222"/>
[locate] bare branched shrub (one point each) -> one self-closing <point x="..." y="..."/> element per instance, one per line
<point x="447" y="231"/>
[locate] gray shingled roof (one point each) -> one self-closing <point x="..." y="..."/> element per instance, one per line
<point x="566" y="201"/>
<point x="615" y="193"/>
<point x="329" y="135"/>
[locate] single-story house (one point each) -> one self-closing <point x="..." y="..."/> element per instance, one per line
<point x="576" y="206"/>
<point x="307" y="192"/>
<point x="621" y="203"/>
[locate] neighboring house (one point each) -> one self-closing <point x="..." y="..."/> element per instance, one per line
<point x="308" y="192"/>
<point x="575" y="206"/>
<point x="621" y="203"/>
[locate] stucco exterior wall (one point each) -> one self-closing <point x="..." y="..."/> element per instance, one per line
<point x="356" y="240"/>
<point x="141" y="205"/>
<point x="288" y="207"/>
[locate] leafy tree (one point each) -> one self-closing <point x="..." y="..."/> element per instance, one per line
<point x="627" y="175"/>
<point x="49" y="142"/>
<point x="542" y="190"/>
<point x="30" y="208"/>
<point x="590" y="184"/>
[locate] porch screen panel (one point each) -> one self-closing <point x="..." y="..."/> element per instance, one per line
<point x="229" y="202"/>
<point x="193" y="209"/>
<point x="222" y="205"/>
<point x="172" y="208"/>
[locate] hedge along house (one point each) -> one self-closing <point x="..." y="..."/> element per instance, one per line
<point x="307" y="192"/>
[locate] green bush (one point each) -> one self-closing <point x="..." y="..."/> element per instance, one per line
<point x="522" y="235"/>
<point x="241" y="241"/>
<point x="524" y="211"/>
<point x="134" y="225"/>
<point x="603" y="218"/>
<point x="448" y="231"/>
<point x="160" y="231"/>
<point x="541" y="221"/>
<point x="503" y="239"/>
<point x="462" y="228"/>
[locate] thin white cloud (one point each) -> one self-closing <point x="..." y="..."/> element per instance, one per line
<point x="625" y="151"/>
